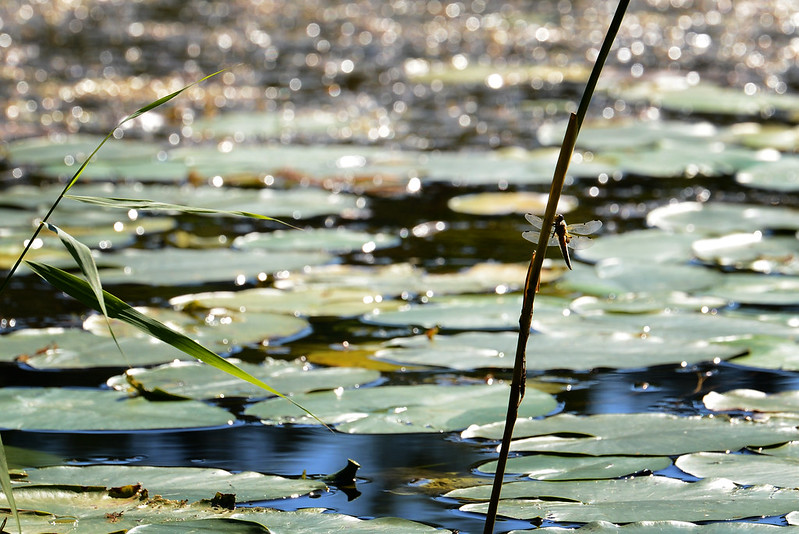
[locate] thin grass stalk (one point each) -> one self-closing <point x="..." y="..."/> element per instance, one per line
<point x="517" y="385"/>
<point x="534" y="270"/>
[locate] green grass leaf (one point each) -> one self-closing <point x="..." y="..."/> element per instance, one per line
<point x="144" y="204"/>
<point x="81" y="290"/>
<point x="5" y="483"/>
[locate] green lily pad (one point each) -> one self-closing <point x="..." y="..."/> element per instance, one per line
<point x="758" y="136"/>
<point x="402" y="409"/>
<point x="196" y="380"/>
<point x="644" y="434"/>
<point x="186" y="267"/>
<point x="651" y="245"/>
<point x="744" y="469"/>
<point x="179" y="483"/>
<point x="550" y="467"/>
<point x="59" y="348"/>
<point x="651" y="498"/>
<point x="305" y="300"/>
<point x="614" y="276"/>
<point x="750" y="252"/>
<point x="752" y="401"/>
<point x="67" y="409"/>
<point x="333" y="240"/>
<point x="780" y="175"/>
<point x="635" y="303"/>
<point x="758" y="289"/>
<point x="476" y="350"/>
<point x="669" y="527"/>
<point x="766" y="352"/>
<point x="466" y="312"/>
<point x="716" y="218"/>
<point x="507" y="203"/>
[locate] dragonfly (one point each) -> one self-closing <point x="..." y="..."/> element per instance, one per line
<point x="563" y="235"/>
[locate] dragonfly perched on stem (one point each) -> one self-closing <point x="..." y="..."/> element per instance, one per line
<point x="563" y="235"/>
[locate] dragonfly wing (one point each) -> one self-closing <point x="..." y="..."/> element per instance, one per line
<point x="589" y="227"/>
<point x="578" y="242"/>
<point x="532" y="236"/>
<point x="535" y="220"/>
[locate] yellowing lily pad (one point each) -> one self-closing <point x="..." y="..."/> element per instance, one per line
<point x="507" y="203"/>
<point x="305" y="300"/>
<point x="178" y="483"/>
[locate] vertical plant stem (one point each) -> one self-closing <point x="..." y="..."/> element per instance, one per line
<point x="537" y="261"/>
<point x="526" y="318"/>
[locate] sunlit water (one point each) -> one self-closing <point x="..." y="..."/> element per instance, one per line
<point x="81" y="69"/>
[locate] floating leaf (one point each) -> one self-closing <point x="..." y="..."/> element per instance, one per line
<point x="647" y="434"/>
<point x="403" y="409"/>
<point x="651" y="498"/>
<point x="767" y="352"/>
<point x="752" y="401"/>
<point x="652" y="245"/>
<point x="98" y="410"/>
<point x="550" y="467"/>
<point x="333" y="240"/>
<point x="716" y="218"/>
<point x="305" y="300"/>
<point x="758" y="289"/>
<point x="196" y="380"/>
<point x="186" y="267"/>
<point x="751" y="252"/>
<point x="744" y="469"/>
<point x="179" y="483"/>
<point x="780" y="175"/>
<point x="507" y="203"/>
<point x="667" y="527"/>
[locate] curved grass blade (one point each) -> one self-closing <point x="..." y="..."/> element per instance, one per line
<point x="83" y="257"/>
<point x="80" y="290"/>
<point x="138" y="112"/>
<point x="144" y="204"/>
<point x="5" y="484"/>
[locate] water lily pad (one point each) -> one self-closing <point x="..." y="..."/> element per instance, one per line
<point x="186" y="267"/>
<point x="550" y="467"/>
<point x="744" y="469"/>
<point x="468" y="312"/>
<point x="61" y="508"/>
<point x="335" y="240"/>
<point x="59" y="348"/>
<point x="651" y="498"/>
<point x="590" y="350"/>
<point x="304" y="300"/>
<point x="618" y="276"/>
<point x="752" y="401"/>
<point x="635" y="303"/>
<point x="652" y="245"/>
<point x="647" y="434"/>
<point x="196" y="380"/>
<point x="179" y="483"/>
<point x="780" y="175"/>
<point x="751" y="252"/>
<point x="756" y="135"/>
<point x="67" y="409"/>
<point x="668" y="527"/>
<point x="402" y="409"/>
<point x="716" y="218"/>
<point x="767" y="352"/>
<point x="758" y="289"/>
<point x="507" y="203"/>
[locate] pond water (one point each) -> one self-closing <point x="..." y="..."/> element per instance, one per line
<point x="399" y="114"/>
